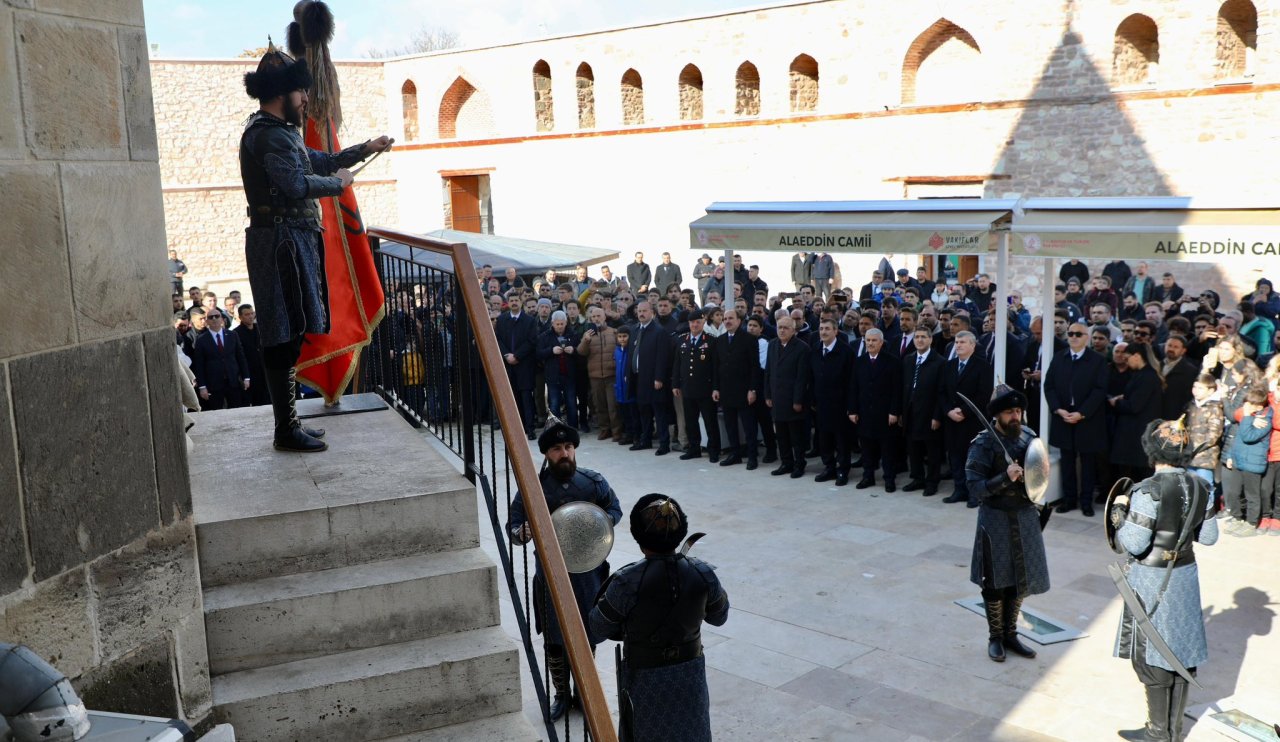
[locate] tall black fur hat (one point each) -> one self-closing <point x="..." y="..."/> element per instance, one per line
<point x="557" y="431"/>
<point x="277" y="74"/>
<point x="1004" y="398"/>
<point x="658" y="523"/>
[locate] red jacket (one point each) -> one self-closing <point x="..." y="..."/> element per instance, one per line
<point x="1273" y="454"/>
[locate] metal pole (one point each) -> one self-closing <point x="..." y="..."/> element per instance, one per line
<point x="1001" y="325"/>
<point x="1046" y="341"/>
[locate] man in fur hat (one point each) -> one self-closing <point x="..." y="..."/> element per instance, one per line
<point x="1008" y="549"/>
<point x="656" y="607"/>
<point x="1156" y="526"/>
<point x="283" y="250"/>
<point x="562" y="483"/>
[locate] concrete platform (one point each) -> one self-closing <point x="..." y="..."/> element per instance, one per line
<point x="513" y="727"/>
<point x="282" y="619"/>
<point x="842" y="625"/>
<point x="368" y="497"/>
<point x="375" y="693"/>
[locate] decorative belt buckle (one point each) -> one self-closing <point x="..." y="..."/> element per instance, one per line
<point x="1170" y="556"/>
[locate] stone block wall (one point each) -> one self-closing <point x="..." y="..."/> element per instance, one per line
<point x="97" y="546"/>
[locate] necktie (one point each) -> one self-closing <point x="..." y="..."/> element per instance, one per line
<point x="961" y="370"/>
<point x="825" y="351"/>
<point x="1071" y="376"/>
<point x="218" y="339"/>
<point x="915" y="378"/>
<point x="635" y="356"/>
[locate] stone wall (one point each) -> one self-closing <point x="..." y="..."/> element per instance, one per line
<point x="632" y="98"/>
<point x="97" y="546"/>
<point x="804" y="84"/>
<point x="747" y="89"/>
<point x="585" y="84"/>
<point x="690" y="93"/>
<point x="200" y="132"/>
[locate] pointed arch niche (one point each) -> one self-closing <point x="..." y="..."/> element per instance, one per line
<point x="942" y="65"/>
<point x="747" y="89"/>
<point x="585" y="80"/>
<point x="804" y="84"/>
<point x="1237" y="40"/>
<point x="632" y="98"/>
<point x="409" y="110"/>
<point x="690" y="84"/>
<point x="465" y="112"/>
<point x="543" y="112"/>
<point x="1136" y="55"/>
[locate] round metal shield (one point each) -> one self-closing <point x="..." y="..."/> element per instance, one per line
<point x="1121" y="487"/>
<point x="585" y="533"/>
<point x="1035" y="472"/>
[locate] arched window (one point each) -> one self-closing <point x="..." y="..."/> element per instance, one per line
<point x="632" y="98"/>
<point x="747" y="87"/>
<point x="1237" y="39"/>
<point x="465" y="112"/>
<point x="409" y="110"/>
<point x="804" y="83"/>
<point x="1137" y="51"/>
<point x="542" y="96"/>
<point x="942" y="65"/>
<point x="586" y="83"/>
<point x="690" y="93"/>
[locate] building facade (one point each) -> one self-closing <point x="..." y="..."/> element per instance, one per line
<point x="620" y="138"/>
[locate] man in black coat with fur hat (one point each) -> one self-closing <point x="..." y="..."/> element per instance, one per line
<point x="562" y="483"/>
<point x="283" y="247"/>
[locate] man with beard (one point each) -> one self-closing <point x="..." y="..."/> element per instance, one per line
<point x="562" y="483"/>
<point x="283" y="248"/>
<point x="1008" y="549"/>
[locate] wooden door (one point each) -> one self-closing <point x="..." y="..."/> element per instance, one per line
<point x="464" y="203"/>
<point x="968" y="267"/>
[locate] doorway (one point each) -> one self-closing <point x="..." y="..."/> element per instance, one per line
<point x="467" y="203"/>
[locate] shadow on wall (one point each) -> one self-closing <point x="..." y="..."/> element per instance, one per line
<point x="1075" y="138"/>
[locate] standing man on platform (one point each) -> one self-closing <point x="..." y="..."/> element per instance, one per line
<point x="1076" y="389"/>
<point x="875" y="404"/>
<point x="1156" y="526"/>
<point x="283" y="248"/>
<point x="656" y="607"/>
<point x="922" y="372"/>
<point x="222" y="373"/>
<point x="562" y="483"/>
<point x="1009" y="560"/>
<point x="786" y="388"/>
<point x="639" y="276"/>
<point x="692" y="383"/>
<point x="832" y="364"/>
<point x="800" y="270"/>
<point x="738" y="378"/>
<point x="666" y="275"/>
<point x="969" y="375"/>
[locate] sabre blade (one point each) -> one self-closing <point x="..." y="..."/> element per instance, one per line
<point x="689" y="542"/>
<point x="1007" y="458"/>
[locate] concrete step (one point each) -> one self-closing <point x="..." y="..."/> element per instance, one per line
<point x="379" y="492"/>
<point x="504" y="728"/>
<point x="293" y="617"/>
<point x="375" y="693"/>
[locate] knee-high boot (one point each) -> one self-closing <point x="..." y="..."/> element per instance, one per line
<point x="1178" y="707"/>
<point x="1158" y="712"/>
<point x="995" y="629"/>
<point x="1012" y="606"/>
<point x="558" y="668"/>
<point x="289" y="433"/>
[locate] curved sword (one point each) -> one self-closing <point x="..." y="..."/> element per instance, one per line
<point x="1148" y="629"/>
<point x="1007" y="458"/>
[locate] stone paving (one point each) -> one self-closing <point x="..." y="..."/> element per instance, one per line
<point x="842" y="624"/>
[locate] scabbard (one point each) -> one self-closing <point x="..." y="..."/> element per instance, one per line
<point x="625" y="709"/>
<point x="1134" y="604"/>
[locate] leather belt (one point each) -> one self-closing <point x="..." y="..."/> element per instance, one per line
<point x="1162" y="557"/>
<point x="266" y="216"/>
<point x="641" y="658"/>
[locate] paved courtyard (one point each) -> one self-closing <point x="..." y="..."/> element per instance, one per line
<point x="843" y="627"/>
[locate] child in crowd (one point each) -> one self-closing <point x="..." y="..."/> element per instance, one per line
<point x="1204" y="423"/>
<point x="1246" y="463"/>
<point x="622" y="387"/>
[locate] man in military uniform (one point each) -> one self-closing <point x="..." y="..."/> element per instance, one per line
<point x="692" y="382"/>
<point x="562" y="483"/>
<point x="283" y="249"/>
<point x="1156" y="526"/>
<point x="1008" y="549"/>
<point x="656" y="607"/>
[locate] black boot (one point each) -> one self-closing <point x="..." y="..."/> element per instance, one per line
<point x="289" y="434"/>
<point x="558" y="667"/>
<point x="1178" y="707"/>
<point x="1158" y="711"/>
<point x="995" y="629"/>
<point x="1011" y="641"/>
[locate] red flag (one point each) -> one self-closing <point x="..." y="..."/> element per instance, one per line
<point x="356" y="302"/>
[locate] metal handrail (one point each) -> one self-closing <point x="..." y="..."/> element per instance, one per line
<point x="595" y="707"/>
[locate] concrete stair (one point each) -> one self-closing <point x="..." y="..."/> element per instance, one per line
<point x="345" y="594"/>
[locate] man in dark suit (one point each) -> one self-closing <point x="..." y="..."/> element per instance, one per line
<point x="969" y="375"/>
<point x="786" y="386"/>
<point x="692" y="382"/>
<point x="1076" y="389"/>
<point x="219" y="365"/>
<point x="639" y="276"/>
<point x="651" y="364"/>
<point x="875" y="404"/>
<point x="518" y="340"/>
<point x="247" y="331"/>
<point x="738" y="377"/>
<point x="1179" y="375"/>
<point x="832" y="363"/>
<point x="922" y="371"/>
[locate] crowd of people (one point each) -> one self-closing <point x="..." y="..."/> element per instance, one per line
<point x="878" y="380"/>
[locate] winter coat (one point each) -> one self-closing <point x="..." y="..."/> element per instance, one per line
<point x="1249" y="449"/>
<point x="597" y="348"/>
<point x="1205" y="422"/>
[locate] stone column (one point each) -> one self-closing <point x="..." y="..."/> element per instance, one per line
<point x="97" y="546"/>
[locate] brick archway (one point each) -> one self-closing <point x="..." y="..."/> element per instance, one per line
<point x="953" y="52"/>
<point x="454" y="99"/>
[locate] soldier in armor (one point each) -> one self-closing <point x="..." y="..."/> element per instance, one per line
<point x="283" y="249"/>
<point x="562" y="483"/>
<point x="692" y="383"/>
<point x="1156" y="525"/>
<point x="656" y="607"/>
<point x="1008" y="550"/>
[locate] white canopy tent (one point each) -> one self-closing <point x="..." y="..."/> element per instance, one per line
<point x="1052" y="228"/>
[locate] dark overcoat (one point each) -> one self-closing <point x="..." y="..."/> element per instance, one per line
<point x="787" y="379"/>
<point x="1079" y="386"/>
<point x="519" y="337"/>
<point x="921" y="404"/>
<point x="653" y="344"/>
<point x="831" y="374"/>
<point x="974" y="383"/>
<point x="1140" y="405"/>
<point x="737" y="368"/>
<point x="875" y="392"/>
